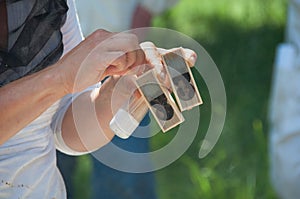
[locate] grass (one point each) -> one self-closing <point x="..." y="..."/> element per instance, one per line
<point x="241" y="36"/>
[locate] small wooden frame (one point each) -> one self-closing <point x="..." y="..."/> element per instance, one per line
<point x="182" y="80"/>
<point x="159" y="101"/>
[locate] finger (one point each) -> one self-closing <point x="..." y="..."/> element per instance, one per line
<point x="122" y="61"/>
<point x="123" y="64"/>
<point x="190" y="56"/>
<point x="98" y="36"/>
<point x="113" y="61"/>
<point x="130" y="59"/>
<point x="139" y="66"/>
<point x="153" y="57"/>
<point x="131" y="56"/>
<point x="125" y="86"/>
<point x="122" y="41"/>
<point x="140" y="58"/>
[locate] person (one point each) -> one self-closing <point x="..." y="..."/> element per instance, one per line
<point x="50" y="100"/>
<point x="38" y="89"/>
<point x="118" y="15"/>
<point x="284" y="136"/>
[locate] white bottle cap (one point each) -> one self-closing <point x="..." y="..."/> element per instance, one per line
<point x="123" y="124"/>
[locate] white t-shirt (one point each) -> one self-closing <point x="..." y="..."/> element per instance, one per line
<point x="28" y="160"/>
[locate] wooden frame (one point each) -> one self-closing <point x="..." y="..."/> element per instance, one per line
<point x="182" y="80"/>
<point x="159" y="101"/>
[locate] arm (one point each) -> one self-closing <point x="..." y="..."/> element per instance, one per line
<point x="81" y="129"/>
<point x="85" y="125"/>
<point x="25" y="99"/>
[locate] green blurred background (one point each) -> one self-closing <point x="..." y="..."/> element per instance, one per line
<point x="241" y="36"/>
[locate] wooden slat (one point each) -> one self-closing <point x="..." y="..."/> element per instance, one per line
<point x="182" y="81"/>
<point x="159" y="101"/>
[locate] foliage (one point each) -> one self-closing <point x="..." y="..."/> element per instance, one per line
<point x="241" y="36"/>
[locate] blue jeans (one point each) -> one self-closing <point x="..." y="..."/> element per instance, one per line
<point x="108" y="183"/>
<point x="67" y="166"/>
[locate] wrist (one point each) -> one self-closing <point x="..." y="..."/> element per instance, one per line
<point x="54" y="81"/>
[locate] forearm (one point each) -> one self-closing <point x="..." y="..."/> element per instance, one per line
<point x="85" y="125"/>
<point x="24" y="100"/>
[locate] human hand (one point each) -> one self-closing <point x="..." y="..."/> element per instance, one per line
<point x="122" y="89"/>
<point x="115" y="94"/>
<point x="101" y="54"/>
<point x="133" y="109"/>
<point x="153" y="59"/>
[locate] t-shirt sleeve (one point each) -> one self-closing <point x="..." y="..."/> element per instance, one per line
<point x="71" y="30"/>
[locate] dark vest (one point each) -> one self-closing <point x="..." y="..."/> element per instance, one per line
<point x="34" y="37"/>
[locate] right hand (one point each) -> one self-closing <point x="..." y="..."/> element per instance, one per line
<point x="101" y="54"/>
